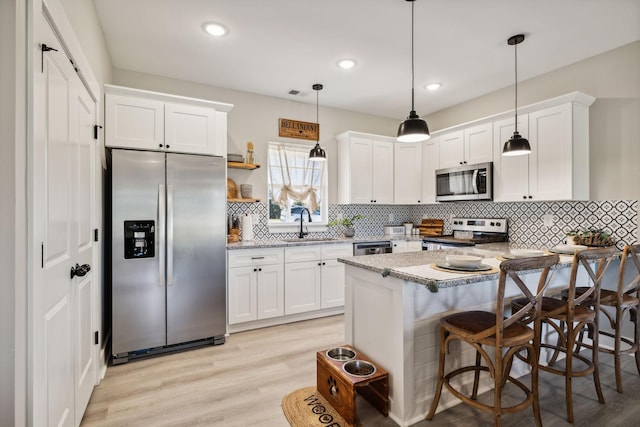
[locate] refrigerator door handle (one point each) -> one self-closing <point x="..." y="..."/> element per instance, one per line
<point x="161" y="233"/>
<point x="169" y="235"/>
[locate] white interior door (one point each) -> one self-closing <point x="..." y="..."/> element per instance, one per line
<point x="63" y="354"/>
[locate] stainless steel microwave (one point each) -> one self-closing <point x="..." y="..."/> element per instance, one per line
<point x="467" y="182"/>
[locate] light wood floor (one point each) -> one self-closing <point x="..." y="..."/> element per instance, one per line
<point x="242" y="382"/>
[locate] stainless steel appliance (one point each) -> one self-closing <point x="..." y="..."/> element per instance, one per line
<point x="467" y="182"/>
<point x="372" y="248"/>
<point x="469" y="232"/>
<point x="168" y="251"/>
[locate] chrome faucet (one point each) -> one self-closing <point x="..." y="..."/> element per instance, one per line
<point x="303" y="233"/>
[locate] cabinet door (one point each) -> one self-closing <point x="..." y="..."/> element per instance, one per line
<point x="550" y="173"/>
<point x="243" y="294"/>
<point x="382" y="172"/>
<point x="478" y="144"/>
<point x="510" y="173"/>
<point x="360" y="155"/>
<point x="430" y="163"/>
<point x="134" y="122"/>
<point x="190" y="129"/>
<point x="270" y="291"/>
<point x="414" y="246"/>
<point x="332" y="285"/>
<point x="302" y="287"/>
<point x="399" y="246"/>
<point x="407" y="179"/>
<point x="452" y="149"/>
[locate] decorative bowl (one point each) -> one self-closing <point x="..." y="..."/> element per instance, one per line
<point x="463" y="260"/>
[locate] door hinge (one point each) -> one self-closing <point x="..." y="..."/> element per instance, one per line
<point x="44" y="48"/>
<point x="95" y="235"/>
<point x="96" y="338"/>
<point x="95" y="131"/>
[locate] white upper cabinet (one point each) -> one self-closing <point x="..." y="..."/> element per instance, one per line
<point x="430" y="163"/>
<point x="510" y="173"/>
<point x="469" y="145"/>
<point x="558" y="166"/>
<point x="365" y="168"/>
<point x="408" y="173"/>
<point x="155" y="121"/>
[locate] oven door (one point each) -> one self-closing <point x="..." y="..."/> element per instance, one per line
<point x="468" y="182"/>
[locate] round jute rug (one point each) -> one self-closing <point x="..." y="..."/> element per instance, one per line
<point x="307" y="408"/>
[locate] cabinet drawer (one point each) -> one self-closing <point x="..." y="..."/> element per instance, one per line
<point x="249" y="257"/>
<point x="303" y="253"/>
<point x="337" y="251"/>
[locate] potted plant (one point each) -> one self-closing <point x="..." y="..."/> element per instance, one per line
<point x="347" y="224"/>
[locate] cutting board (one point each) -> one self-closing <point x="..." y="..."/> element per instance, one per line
<point x="431" y="227"/>
<point x="232" y="189"/>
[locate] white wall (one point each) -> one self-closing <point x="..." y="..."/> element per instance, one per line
<point x="12" y="213"/>
<point x="614" y="79"/>
<point x="255" y="118"/>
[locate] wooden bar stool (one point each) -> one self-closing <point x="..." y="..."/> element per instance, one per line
<point x="625" y="299"/>
<point x="572" y="316"/>
<point x="481" y="328"/>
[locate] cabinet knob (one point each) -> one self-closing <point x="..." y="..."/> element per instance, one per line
<point x="324" y="263"/>
<point x="160" y="145"/>
<point x="319" y="263"/>
<point x="167" y="145"/>
<point x="524" y="197"/>
<point x="460" y="162"/>
<point x="531" y="197"/>
<point x="255" y="269"/>
<point x="259" y="269"/>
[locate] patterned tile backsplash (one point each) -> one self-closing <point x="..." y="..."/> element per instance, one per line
<point x="525" y="218"/>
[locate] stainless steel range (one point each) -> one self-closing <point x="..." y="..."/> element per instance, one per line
<point x="469" y="232"/>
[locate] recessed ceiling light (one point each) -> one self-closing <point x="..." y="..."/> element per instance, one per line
<point x="346" y="64"/>
<point x="214" y="29"/>
<point x="433" y="86"/>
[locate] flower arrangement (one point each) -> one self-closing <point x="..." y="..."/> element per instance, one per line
<point x="346" y="221"/>
<point x="591" y="237"/>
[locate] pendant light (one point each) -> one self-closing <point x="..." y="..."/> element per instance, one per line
<point x="517" y="145"/>
<point x="317" y="153"/>
<point x="413" y="129"/>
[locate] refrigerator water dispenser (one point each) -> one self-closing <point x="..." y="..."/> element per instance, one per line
<point x="139" y="239"/>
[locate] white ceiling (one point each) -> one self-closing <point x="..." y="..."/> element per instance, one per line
<point x="275" y="46"/>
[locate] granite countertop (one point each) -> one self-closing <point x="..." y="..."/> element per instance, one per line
<point x="263" y="244"/>
<point x="391" y="264"/>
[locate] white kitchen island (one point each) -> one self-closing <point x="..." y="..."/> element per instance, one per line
<point x="392" y="314"/>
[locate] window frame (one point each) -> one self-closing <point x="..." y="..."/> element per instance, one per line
<point x="323" y="196"/>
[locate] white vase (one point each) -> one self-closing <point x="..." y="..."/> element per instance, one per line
<point x="349" y="231"/>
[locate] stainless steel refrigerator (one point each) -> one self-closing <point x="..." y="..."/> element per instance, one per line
<point x="168" y="251"/>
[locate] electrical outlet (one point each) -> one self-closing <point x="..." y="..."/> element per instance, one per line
<point x="255" y="218"/>
<point x="390" y="217"/>
<point x="548" y="220"/>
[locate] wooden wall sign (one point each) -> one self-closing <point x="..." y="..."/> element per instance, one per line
<point x="302" y="130"/>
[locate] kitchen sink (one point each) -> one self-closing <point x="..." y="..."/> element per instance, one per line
<point x="310" y="239"/>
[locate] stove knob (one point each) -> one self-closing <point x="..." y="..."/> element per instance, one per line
<point x="498" y="224"/>
<point x="492" y="224"/>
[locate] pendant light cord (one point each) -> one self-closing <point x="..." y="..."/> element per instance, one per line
<point x="516" y="96"/>
<point x="412" y="66"/>
<point x="317" y="117"/>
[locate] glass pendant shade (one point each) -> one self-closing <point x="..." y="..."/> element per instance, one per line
<point x="413" y="129"/>
<point x="317" y="153"/>
<point x="516" y="146"/>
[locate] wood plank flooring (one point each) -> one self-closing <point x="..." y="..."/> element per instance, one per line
<point x="242" y="382"/>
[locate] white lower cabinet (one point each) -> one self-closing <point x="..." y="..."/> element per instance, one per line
<point x="314" y="279"/>
<point x="398" y="246"/>
<point x="255" y="285"/>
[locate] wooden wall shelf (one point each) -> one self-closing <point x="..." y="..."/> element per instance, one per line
<point x="236" y="200"/>
<point x="237" y="165"/>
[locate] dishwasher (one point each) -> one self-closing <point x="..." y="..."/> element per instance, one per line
<point x="372" y="248"/>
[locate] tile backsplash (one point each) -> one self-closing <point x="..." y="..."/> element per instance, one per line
<point x="526" y="226"/>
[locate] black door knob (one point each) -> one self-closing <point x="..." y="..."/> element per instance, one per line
<point x="80" y="270"/>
